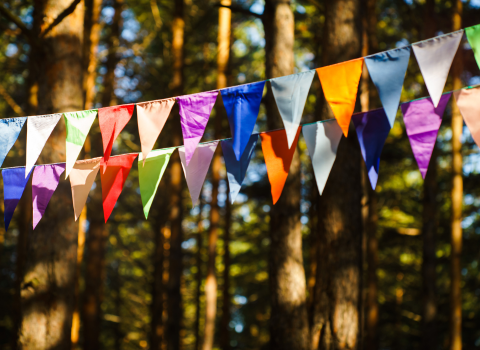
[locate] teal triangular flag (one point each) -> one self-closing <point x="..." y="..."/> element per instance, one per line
<point x="9" y="129"/>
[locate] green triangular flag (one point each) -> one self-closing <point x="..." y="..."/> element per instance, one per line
<point x="78" y="125"/>
<point x="150" y="174"/>
<point x="473" y="36"/>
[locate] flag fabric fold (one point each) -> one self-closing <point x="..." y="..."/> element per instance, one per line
<point x="9" y="129"/>
<point x="194" y="114"/>
<point x="372" y="129"/>
<point x="39" y="129"/>
<point x="45" y="181"/>
<point x="237" y="169"/>
<point x="435" y="57"/>
<point x="82" y="178"/>
<point x="242" y="104"/>
<point x="422" y="122"/>
<point x="151" y="117"/>
<point x="78" y="125"/>
<point x="322" y="141"/>
<point x="14" y="182"/>
<point x="278" y="158"/>
<point x="291" y="94"/>
<point x="387" y="71"/>
<point x="340" y="87"/>
<point x="197" y="169"/>
<point x="468" y="103"/>
<point x="150" y="174"/>
<point x="473" y="37"/>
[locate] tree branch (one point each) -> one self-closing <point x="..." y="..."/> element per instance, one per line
<point x="18" y="22"/>
<point x="69" y="10"/>
<point x="240" y="9"/>
<point x="11" y="102"/>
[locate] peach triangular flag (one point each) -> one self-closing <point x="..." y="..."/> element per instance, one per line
<point x="467" y="101"/>
<point x="82" y="178"/>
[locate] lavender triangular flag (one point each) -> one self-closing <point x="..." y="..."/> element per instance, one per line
<point x="372" y="129"/>
<point x="14" y="182"/>
<point x="194" y="114"/>
<point x="291" y="94"/>
<point x="9" y="129"/>
<point x="422" y="122"/>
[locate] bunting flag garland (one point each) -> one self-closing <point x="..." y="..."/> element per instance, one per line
<point x="14" y="182"/>
<point x="9" y="129"/>
<point x="150" y="174"/>
<point x="278" y="158"/>
<point x="473" y="37"/>
<point x="82" y="178"/>
<point x="340" y="87"/>
<point x="468" y="103"/>
<point x="194" y="114"/>
<point x="422" y="122"/>
<point x="152" y="117"/>
<point x="236" y="169"/>
<point x="322" y="141"/>
<point x="197" y="169"/>
<point x="113" y="176"/>
<point x="372" y="129"/>
<point x="387" y="71"/>
<point x="242" y="104"/>
<point x="435" y="57"/>
<point x="39" y="129"/>
<point x="45" y="180"/>
<point x="78" y="125"/>
<point x="112" y="120"/>
<point x="291" y="94"/>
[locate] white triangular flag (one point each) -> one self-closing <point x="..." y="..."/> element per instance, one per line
<point x="197" y="168"/>
<point x="322" y="141"/>
<point x="435" y="57"/>
<point x="39" y="128"/>
<point x="291" y="94"/>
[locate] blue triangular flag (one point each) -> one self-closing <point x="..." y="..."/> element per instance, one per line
<point x="387" y="70"/>
<point x="242" y="104"/>
<point x="291" y="93"/>
<point x="14" y="182"/>
<point x="372" y="131"/>
<point x="236" y="170"/>
<point x="9" y="129"/>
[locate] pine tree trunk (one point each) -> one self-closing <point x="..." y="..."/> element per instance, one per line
<point x="224" y="325"/>
<point x="198" y="277"/>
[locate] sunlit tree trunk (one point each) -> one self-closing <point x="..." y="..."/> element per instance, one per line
<point x="198" y="277"/>
<point x="224" y="325"/>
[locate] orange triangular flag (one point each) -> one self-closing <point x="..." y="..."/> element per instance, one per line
<point x="278" y="158"/>
<point x="340" y="86"/>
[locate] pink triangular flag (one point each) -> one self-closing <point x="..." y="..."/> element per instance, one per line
<point x="467" y="101"/>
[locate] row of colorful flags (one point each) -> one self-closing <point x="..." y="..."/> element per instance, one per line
<point x="339" y="82"/>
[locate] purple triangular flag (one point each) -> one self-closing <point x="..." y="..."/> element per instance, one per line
<point x="14" y="182"/>
<point x="422" y="121"/>
<point x="194" y="114"/>
<point x="372" y="129"/>
<point x="44" y="182"/>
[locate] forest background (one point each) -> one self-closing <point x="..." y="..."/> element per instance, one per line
<point x="396" y="268"/>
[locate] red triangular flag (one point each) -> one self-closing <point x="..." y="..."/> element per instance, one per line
<point x="112" y="120"/>
<point x="113" y="178"/>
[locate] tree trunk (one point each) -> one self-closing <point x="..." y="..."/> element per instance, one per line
<point x="289" y="327"/>
<point x="198" y="277"/>
<point x="224" y="325"/>
<point x="336" y="313"/>
<point x="48" y="285"/>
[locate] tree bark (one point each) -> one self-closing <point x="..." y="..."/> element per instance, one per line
<point x="198" y="277"/>
<point x="226" y="314"/>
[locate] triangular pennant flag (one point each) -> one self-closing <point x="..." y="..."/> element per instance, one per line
<point x="291" y="94"/>
<point x="242" y="104"/>
<point x="422" y="122"/>
<point x="236" y="169"/>
<point x="340" y="87"/>
<point x="39" y="129"/>
<point x="112" y="120"/>
<point x="196" y="171"/>
<point x="150" y="174"/>
<point x="468" y="103"/>
<point x="14" y="182"/>
<point x="9" y="129"/>
<point x="473" y="37"/>
<point x="44" y="182"/>
<point x="82" y="178"/>
<point x="113" y="175"/>
<point x="387" y="70"/>
<point x="78" y="125"/>
<point x="435" y="57"/>
<point x="151" y="117"/>
<point x="278" y="158"/>
<point x="194" y="114"/>
<point x="372" y="128"/>
<point x="322" y="139"/>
